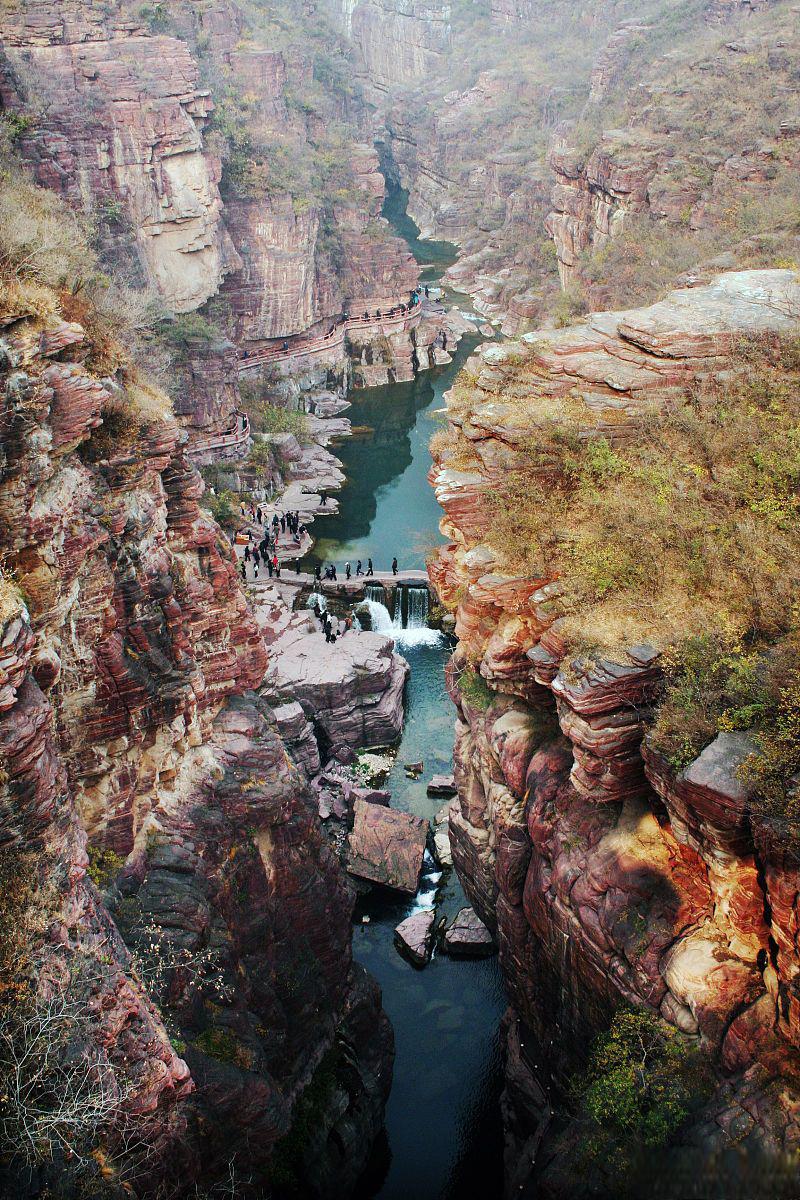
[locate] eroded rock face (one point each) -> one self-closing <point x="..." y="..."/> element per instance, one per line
<point x="606" y="876"/>
<point x="398" y="42"/>
<point x="128" y="714"/>
<point x="120" y="132"/>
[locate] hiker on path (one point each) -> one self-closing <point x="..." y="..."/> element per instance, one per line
<point x="347" y="570"/>
<point x="359" y="569"/>
<point x="369" y="568"/>
<point x="394" y="566"/>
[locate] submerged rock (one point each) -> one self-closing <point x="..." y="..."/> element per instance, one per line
<point x="442" y="785"/>
<point x="414" y="936"/>
<point x="386" y="846"/>
<point x="468" y="937"/>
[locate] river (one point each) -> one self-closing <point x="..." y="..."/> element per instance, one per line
<point x="443" y="1135"/>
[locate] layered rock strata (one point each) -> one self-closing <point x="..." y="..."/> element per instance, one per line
<point x="128" y="717"/>
<point x="606" y="876"/>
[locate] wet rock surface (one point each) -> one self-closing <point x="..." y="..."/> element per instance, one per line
<point x="386" y="846"/>
<point x="468" y="937"/>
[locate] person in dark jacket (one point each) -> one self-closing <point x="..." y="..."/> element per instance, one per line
<point x="369" y="568"/>
<point x="394" y="566"/>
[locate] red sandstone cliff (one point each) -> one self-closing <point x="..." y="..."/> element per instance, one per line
<point x="127" y="720"/>
<point x="608" y="876"/>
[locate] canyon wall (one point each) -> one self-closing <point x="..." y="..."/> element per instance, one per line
<point x="592" y="126"/>
<point x="115" y="127"/>
<point x="132" y="722"/>
<point x="396" y="43"/>
<point x="609" y="876"/>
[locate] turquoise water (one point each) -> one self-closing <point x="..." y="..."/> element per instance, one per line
<point x="387" y="506"/>
<point x="443" y="1135"/>
<point x="443" y="1131"/>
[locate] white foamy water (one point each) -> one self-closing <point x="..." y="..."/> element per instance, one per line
<point x="416" y="634"/>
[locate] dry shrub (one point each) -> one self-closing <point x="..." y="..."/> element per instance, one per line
<point x="11" y="601"/>
<point x="691" y="526"/>
<point x="41" y="238"/>
<point x="447" y="446"/>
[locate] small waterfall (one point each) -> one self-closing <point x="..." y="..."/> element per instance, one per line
<point x="375" y="592"/>
<point x="415" y="632"/>
<point x="380" y="616"/>
<point x="417" y="607"/>
<point x="319" y="599"/>
<point x="430" y="878"/>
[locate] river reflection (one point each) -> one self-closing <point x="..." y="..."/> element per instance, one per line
<point x="443" y="1134"/>
<point x="387" y="507"/>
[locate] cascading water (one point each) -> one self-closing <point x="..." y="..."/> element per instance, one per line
<point x="415" y="632"/>
<point x="318" y="599"/>
<point x="418" y="605"/>
<point x="375" y="592"/>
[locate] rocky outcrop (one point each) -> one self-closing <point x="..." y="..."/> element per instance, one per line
<point x="397" y="42"/>
<point x="607" y="876"/>
<point x="129" y="717"/>
<point x="353" y="688"/>
<point x="119" y="133"/>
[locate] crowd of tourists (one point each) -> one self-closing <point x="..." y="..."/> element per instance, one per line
<point x="286" y="527"/>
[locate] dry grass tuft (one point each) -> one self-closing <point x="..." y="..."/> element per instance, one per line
<point x="692" y="525"/>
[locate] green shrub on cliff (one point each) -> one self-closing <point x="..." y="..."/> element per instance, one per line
<point x="711" y="683"/>
<point x="640" y="1086"/>
<point x="103" y="865"/>
<point x="773" y="769"/>
<point x="223" y="1045"/>
<point x="475" y="690"/>
<point x="224" y="508"/>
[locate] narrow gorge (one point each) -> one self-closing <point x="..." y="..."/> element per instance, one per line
<point x="399" y="599"/>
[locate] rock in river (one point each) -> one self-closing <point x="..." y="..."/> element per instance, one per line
<point x="386" y="846"/>
<point x="468" y="937"/>
<point x="414" y="936"/>
<point x="442" y="785"/>
<point x="441" y="836"/>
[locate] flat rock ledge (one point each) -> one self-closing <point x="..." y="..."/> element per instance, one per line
<point x="468" y="937"/>
<point x="414" y="936"/>
<point x="386" y="846"/>
<point x="354" y="687"/>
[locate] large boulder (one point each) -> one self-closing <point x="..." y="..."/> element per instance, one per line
<point x="386" y="846"/>
<point x="468" y="937"/>
<point x="414" y="936"/>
